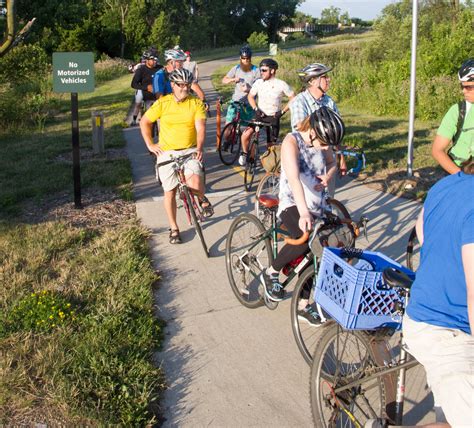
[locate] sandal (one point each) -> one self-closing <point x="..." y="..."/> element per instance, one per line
<point x="175" y="238"/>
<point x="207" y="210"/>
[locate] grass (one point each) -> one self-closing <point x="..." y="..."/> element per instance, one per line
<point x="77" y="331"/>
<point x="383" y="138"/>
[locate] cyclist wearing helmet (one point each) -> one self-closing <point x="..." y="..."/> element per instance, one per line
<point x="464" y="145"/>
<point x="174" y="60"/>
<point x="182" y="130"/>
<point x="307" y="164"/>
<point x="269" y="91"/>
<point x="243" y="76"/>
<point x="142" y="81"/>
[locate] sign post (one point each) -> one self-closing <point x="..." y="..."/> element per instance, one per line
<point x="74" y="72"/>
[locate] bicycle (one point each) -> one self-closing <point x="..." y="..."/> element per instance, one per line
<point x="194" y="212"/>
<point x="253" y="153"/>
<point x="353" y="378"/>
<point x="250" y="248"/>
<point x="413" y="251"/>
<point x="352" y="152"/>
<point x="230" y="138"/>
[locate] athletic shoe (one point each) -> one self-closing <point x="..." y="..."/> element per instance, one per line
<point x="271" y="284"/>
<point x="310" y="315"/>
<point x="243" y="159"/>
<point x="134" y="123"/>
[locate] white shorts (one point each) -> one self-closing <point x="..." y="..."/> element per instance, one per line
<point x="138" y="96"/>
<point x="167" y="175"/>
<point x="448" y="358"/>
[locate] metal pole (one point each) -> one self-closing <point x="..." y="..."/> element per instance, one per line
<point x="76" y="168"/>
<point x="411" y="129"/>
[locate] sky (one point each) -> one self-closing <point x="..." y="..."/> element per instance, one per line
<point x="357" y="9"/>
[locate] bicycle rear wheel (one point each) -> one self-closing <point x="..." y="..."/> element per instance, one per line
<point x="229" y="148"/>
<point x="269" y="184"/>
<point x="306" y="334"/>
<point x="245" y="257"/>
<point x="413" y="251"/>
<point x="251" y="165"/>
<point x="192" y="207"/>
<point x="342" y="357"/>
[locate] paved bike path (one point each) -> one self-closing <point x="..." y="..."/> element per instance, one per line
<point x="226" y="365"/>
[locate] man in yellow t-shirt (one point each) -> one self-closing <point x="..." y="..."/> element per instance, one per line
<point x="182" y="131"/>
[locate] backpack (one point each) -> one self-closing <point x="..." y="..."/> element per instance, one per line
<point x="461" y="117"/>
<point x="271" y="159"/>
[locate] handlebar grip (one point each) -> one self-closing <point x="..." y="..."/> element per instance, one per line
<point x="301" y="240"/>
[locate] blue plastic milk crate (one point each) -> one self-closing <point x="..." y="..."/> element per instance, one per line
<point x="355" y="297"/>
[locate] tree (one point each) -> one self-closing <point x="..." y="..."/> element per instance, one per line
<point x="277" y="13"/>
<point x="330" y="15"/>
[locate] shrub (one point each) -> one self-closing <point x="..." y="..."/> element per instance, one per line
<point x="258" y="40"/>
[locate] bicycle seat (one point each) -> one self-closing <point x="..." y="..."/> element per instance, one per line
<point x="268" y="200"/>
<point x="395" y="278"/>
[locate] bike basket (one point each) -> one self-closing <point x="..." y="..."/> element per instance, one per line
<point x="355" y="297"/>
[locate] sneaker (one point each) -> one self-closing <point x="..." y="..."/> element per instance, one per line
<point x="133" y="123"/>
<point x="243" y="159"/>
<point x="310" y="315"/>
<point x="271" y="284"/>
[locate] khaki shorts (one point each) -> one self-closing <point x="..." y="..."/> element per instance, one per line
<point x="166" y="172"/>
<point x="448" y="358"/>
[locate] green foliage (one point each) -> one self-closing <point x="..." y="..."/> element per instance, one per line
<point x="28" y="63"/>
<point x="39" y="312"/>
<point x="160" y="36"/>
<point x="258" y="40"/>
<point x="330" y="15"/>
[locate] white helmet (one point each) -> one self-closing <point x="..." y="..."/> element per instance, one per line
<point x="181" y="75"/>
<point x="175" y="55"/>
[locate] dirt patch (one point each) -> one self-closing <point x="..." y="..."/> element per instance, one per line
<point x="396" y="182"/>
<point x="101" y="208"/>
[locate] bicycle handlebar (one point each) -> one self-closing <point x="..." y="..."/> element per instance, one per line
<point x="175" y="159"/>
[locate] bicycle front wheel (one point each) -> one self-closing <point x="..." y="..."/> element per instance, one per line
<point x="191" y="207"/>
<point x="229" y="148"/>
<point x="343" y="357"/>
<point x="305" y="333"/>
<point x="251" y="165"/>
<point x="338" y="208"/>
<point x="413" y="251"/>
<point x="247" y="253"/>
<point x="269" y="184"/>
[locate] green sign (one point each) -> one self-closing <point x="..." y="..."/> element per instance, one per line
<point x="273" y="49"/>
<point x="73" y="72"/>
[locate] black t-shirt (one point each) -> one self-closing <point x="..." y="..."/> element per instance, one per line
<point x="144" y="77"/>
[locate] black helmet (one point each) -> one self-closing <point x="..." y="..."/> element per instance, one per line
<point x="270" y="63"/>
<point x="328" y="126"/>
<point x="313" y="70"/>
<point x="181" y="75"/>
<point x="466" y="72"/>
<point x="245" y="51"/>
<point x="151" y="53"/>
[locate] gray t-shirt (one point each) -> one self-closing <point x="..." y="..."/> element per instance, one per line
<point x="248" y="77"/>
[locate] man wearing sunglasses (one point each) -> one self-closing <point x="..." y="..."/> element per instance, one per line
<point x="243" y="76"/>
<point x="182" y="131"/>
<point x="269" y="90"/>
<point x="457" y="126"/>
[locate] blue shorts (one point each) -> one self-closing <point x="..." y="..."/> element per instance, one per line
<point x="246" y="112"/>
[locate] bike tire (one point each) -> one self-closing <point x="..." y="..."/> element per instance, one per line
<point x="306" y="336"/>
<point x="338" y="208"/>
<point x="333" y="368"/>
<point x="413" y="251"/>
<point x="229" y="149"/>
<point x="269" y="184"/>
<point x="251" y="165"/>
<point x="197" y="225"/>
<point x="245" y="258"/>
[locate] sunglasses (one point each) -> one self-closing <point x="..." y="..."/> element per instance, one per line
<point x="245" y="58"/>
<point x="467" y="87"/>
<point x="183" y="85"/>
<point x="264" y="70"/>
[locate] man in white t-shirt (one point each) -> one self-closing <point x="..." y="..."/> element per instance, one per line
<point x="269" y="91"/>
